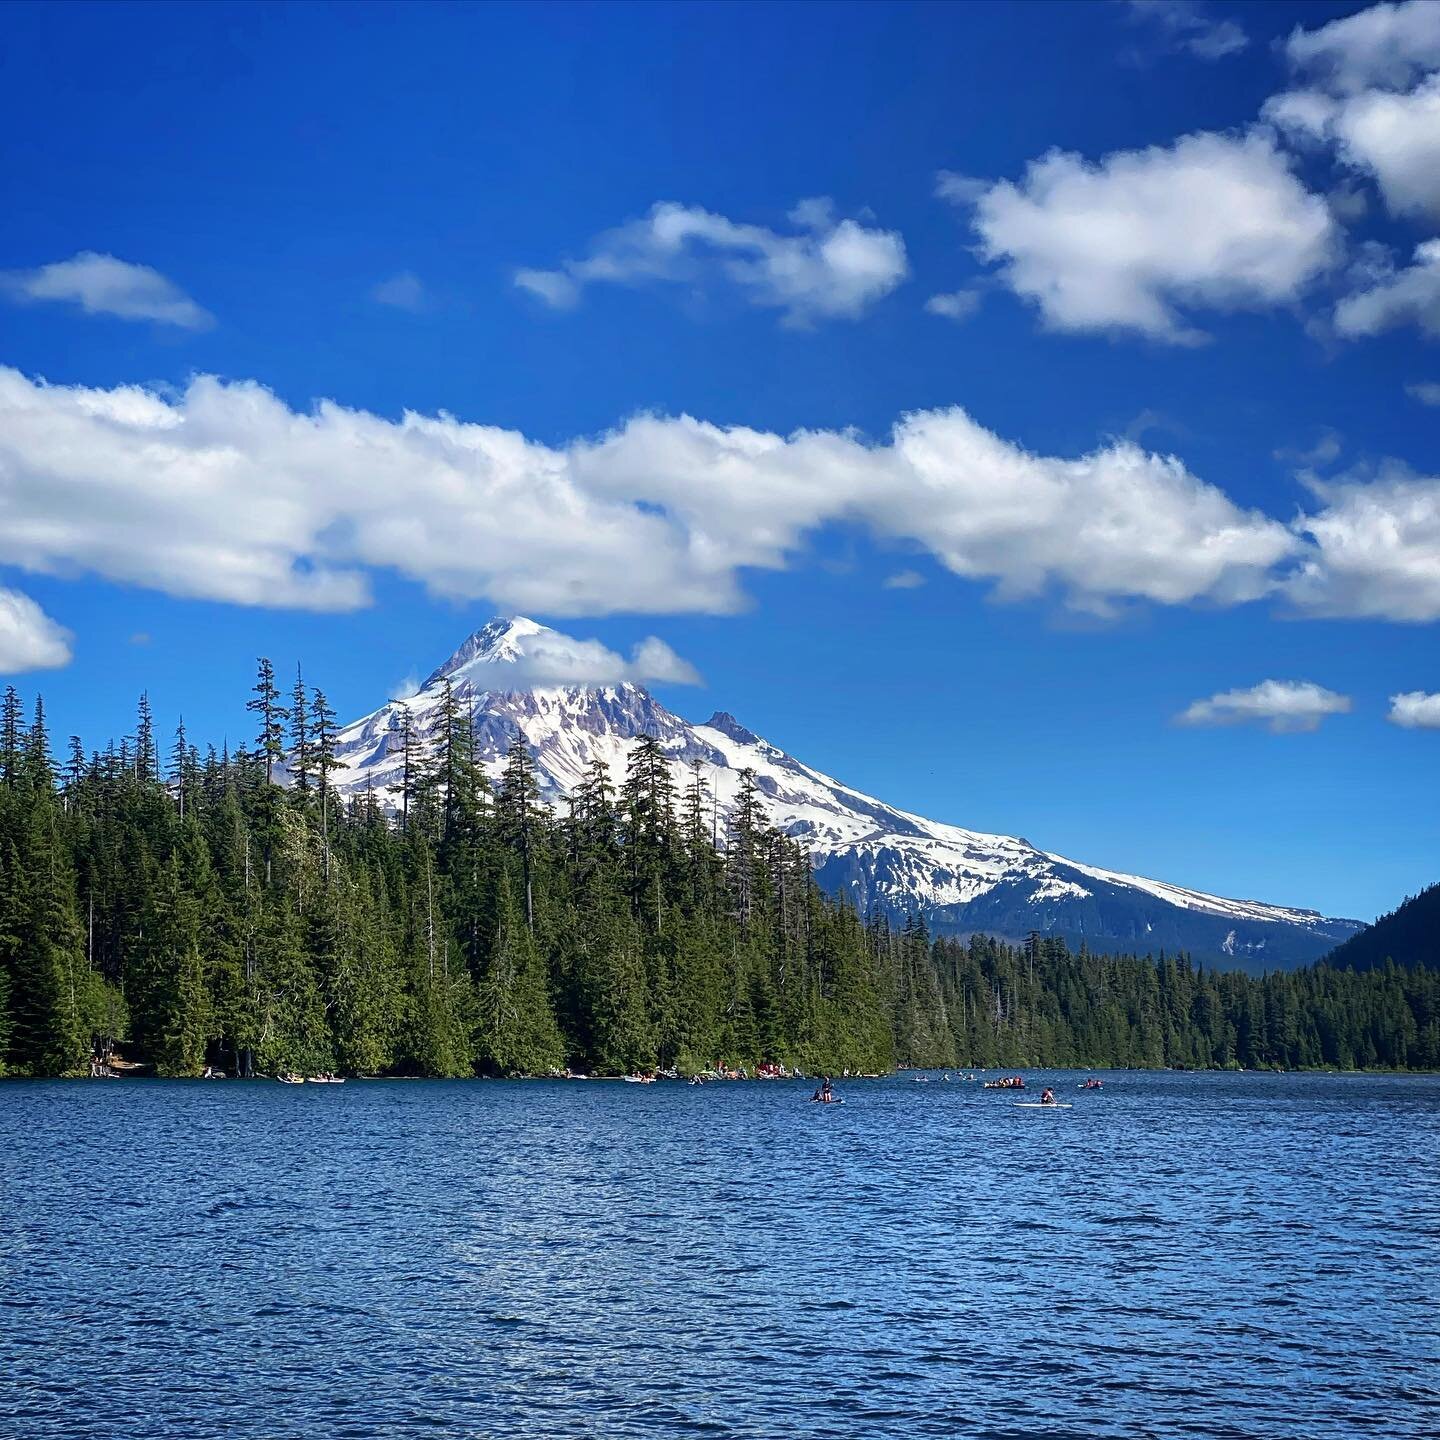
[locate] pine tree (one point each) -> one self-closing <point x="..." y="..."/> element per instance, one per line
<point x="270" y="739"/>
<point x="147" y="763"/>
<point x="323" y="754"/>
<point x="518" y="817"/>
<point x="12" y="736"/>
<point x="300" y="737"/>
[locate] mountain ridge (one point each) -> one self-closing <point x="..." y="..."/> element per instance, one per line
<point x="960" y="880"/>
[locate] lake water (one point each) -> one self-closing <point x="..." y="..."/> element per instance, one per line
<point x="1177" y="1255"/>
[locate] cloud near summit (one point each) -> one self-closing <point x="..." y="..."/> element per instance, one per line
<point x="223" y="492"/>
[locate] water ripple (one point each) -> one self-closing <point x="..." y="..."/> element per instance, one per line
<point x="1178" y="1256"/>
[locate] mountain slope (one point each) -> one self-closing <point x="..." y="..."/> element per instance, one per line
<point x="1409" y="935"/>
<point x="961" y="880"/>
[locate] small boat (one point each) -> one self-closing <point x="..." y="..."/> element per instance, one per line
<point x="286" y="1078"/>
<point x="324" y="1080"/>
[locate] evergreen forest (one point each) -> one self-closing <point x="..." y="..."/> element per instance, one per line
<point x="186" y="910"/>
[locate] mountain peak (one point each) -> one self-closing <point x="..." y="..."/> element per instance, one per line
<point x="727" y="724"/>
<point x="499" y="640"/>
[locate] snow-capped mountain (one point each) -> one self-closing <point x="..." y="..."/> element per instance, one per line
<point x="961" y="880"/>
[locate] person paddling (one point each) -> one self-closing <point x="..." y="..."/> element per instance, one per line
<point x="1047" y="1096"/>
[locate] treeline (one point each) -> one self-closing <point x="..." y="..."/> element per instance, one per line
<point x="1408" y="935"/>
<point x="193" y="911"/>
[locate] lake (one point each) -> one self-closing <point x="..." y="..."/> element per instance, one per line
<point x="1177" y="1255"/>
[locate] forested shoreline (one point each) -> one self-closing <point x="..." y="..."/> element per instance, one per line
<point x="193" y="912"/>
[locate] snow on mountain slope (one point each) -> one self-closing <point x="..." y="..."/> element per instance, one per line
<point x="960" y="879"/>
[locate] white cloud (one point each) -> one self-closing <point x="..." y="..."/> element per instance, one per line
<point x="1371" y="89"/>
<point x="553" y="658"/>
<point x="1386" y="45"/>
<point x="1284" y="706"/>
<point x="829" y="269"/>
<point x="1132" y="241"/>
<point x="1427" y="392"/>
<point x="1375" y="551"/>
<point x="1415" y="710"/>
<point x="1185" y="25"/>
<point x="103" y="285"/>
<point x="29" y="638"/>
<point x="1404" y="297"/>
<point x="222" y="492"/>
<point x="904" y="580"/>
<point x="957" y="305"/>
<point x="401" y="292"/>
<point x="1392" y="137"/>
<point x="959" y="189"/>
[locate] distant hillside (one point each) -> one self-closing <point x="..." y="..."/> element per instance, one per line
<point x="1409" y="936"/>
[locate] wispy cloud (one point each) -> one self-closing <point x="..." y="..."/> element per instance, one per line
<point x="1427" y="392"/>
<point x="956" y="305"/>
<point x="550" y="657"/>
<point x="1283" y="706"/>
<point x="1188" y="26"/>
<point x="103" y="285"/>
<point x="401" y="292"/>
<point x="825" y="269"/>
<point x="904" y="580"/>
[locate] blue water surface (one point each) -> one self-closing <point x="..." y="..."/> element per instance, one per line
<point x="1176" y="1255"/>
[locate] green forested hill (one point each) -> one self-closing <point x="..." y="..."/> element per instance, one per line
<point x="196" y="913"/>
<point x="1408" y="936"/>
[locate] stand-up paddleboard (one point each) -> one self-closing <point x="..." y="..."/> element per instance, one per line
<point x="1041" y="1105"/>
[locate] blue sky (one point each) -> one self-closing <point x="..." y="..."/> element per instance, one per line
<point x="1217" y="263"/>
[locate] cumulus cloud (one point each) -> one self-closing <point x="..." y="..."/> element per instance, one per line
<point x="956" y="305"/>
<point x="1385" y="45"/>
<point x="1370" y="88"/>
<point x="1129" y="243"/>
<point x="1392" y="137"/>
<point x="223" y="492"/>
<point x="1415" y="710"/>
<point x="827" y="269"/>
<point x="1402" y="297"/>
<point x="1183" y="25"/>
<point x="1284" y="706"/>
<point x="29" y="638"/>
<point x="401" y="292"/>
<point x="1376" y="550"/>
<point x="103" y="285"/>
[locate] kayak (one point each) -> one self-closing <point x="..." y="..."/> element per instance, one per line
<point x="1041" y="1105"/>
